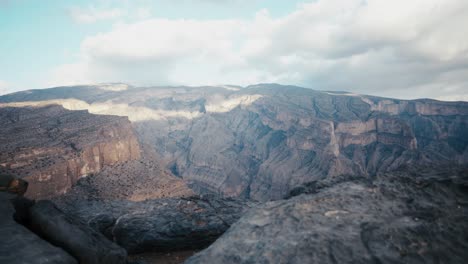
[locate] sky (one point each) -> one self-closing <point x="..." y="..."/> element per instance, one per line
<point x="403" y="49"/>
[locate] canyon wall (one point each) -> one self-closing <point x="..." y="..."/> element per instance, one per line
<point x="264" y="140"/>
<point x="52" y="147"/>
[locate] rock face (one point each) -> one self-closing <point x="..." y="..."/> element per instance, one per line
<point x="262" y="141"/>
<point x="134" y="180"/>
<point x="337" y="157"/>
<point x="81" y="241"/>
<point x="52" y="148"/>
<point x="158" y="225"/>
<point x="397" y="218"/>
<point x="20" y="246"/>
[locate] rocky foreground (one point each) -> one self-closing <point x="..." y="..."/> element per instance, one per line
<point x="161" y="225"/>
<point x="97" y="231"/>
<point x="408" y="216"/>
<point x="395" y="218"/>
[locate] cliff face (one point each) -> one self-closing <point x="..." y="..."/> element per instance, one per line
<point x="52" y="147"/>
<point x="264" y="140"/>
<point x="289" y="137"/>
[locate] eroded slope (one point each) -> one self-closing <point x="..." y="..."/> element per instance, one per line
<point x="262" y="141"/>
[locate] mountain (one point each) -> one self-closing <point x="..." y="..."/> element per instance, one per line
<point x="143" y="170"/>
<point x="262" y="141"/>
<point x="53" y="148"/>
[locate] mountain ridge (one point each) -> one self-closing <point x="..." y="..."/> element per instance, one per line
<point x="262" y="141"/>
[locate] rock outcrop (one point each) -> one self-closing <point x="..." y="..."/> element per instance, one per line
<point x="78" y="239"/>
<point x="401" y="217"/>
<point x="158" y="225"/>
<point x="52" y="148"/>
<point x="30" y="226"/>
<point x="20" y="246"/>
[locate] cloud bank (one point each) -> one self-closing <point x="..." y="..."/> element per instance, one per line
<point x="405" y="49"/>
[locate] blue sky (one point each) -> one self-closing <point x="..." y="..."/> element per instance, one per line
<point x="39" y="35"/>
<point x="404" y="49"/>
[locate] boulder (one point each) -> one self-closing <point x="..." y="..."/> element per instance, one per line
<point x="160" y="225"/>
<point x="399" y="218"/>
<point x="81" y="241"/>
<point x="21" y="246"/>
<point x="182" y="224"/>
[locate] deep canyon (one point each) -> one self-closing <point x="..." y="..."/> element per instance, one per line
<point x="283" y="174"/>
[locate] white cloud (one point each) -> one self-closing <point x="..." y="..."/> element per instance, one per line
<point x="392" y="48"/>
<point x="5" y="88"/>
<point x="92" y="14"/>
<point x="143" y="13"/>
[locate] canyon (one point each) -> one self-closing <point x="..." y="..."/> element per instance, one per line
<point x="261" y="141"/>
<point x="52" y="148"/>
<point x="267" y="167"/>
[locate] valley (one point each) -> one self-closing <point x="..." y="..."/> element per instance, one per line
<point x="169" y="170"/>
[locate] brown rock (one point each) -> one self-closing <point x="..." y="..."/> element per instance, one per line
<point x="52" y="147"/>
<point x="10" y="184"/>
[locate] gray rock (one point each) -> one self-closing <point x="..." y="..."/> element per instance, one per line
<point x="81" y="241"/>
<point x="159" y="225"/>
<point x="399" y="218"/>
<point x="20" y="246"/>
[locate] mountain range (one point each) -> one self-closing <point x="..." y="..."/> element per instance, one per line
<point x="266" y="173"/>
<point x="258" y="142"/>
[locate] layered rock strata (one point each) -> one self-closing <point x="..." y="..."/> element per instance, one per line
<point x="261" y="141"/>
<point x="52" y="148"/>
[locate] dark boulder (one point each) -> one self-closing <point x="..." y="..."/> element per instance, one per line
<point x="160" y="225"/>
<point x="398" y="218"/>
<point x="19" y="245"/>
<point x="81" y="241"/>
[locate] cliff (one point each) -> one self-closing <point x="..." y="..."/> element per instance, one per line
<point x="264" y="140"/>
<point x="52" y="147"/>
